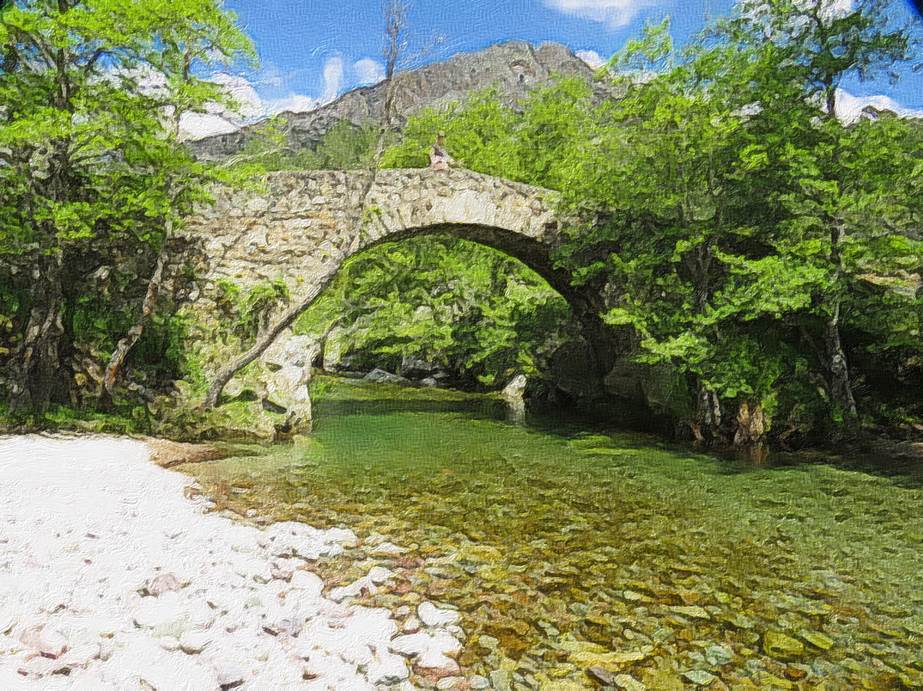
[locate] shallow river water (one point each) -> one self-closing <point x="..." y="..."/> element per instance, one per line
<point x="582" y="558"/>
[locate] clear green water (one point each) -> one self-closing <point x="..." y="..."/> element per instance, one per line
<point x="566" y="548"/>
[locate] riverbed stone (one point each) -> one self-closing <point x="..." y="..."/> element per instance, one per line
<point x="610" y="661"/>
<point x="194" y="642"/>
<point x="700" y="677"/>
<point x="387" y="669"/>
<point x="476" y="681"/>
<point x="387" y="549"/>
<point x="817" y="639"/>
<point x="781" y="646"/>
<point x="429" y="650"/>
<point x="47" y="642"/>
<point x="628" y="683"/>
<point x="380" y="376"/>
<point x="693" y="612"/>
<point x="500" y="679"/>
<point x="432" y="616"/>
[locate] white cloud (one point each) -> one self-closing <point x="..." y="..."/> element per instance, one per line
<point x="333" y="78"/>
<point x="293" y="103"/>
<point x="592" y="58"/>
<point x="614" y="13"/>
<point x="248" y="102"/>
<point x="201" y="125"/>
<point x="849" y="108"/>
<point x="251" y="107"/>
<point x="369" y="71"/>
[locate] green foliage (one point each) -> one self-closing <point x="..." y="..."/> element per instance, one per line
<point x="343" y="147"/>
<point x="755" y="248"/>
<point x="92" y="172"/>
<point x="459" y="306"/>
<point x="744" y="233"/>
<point x="245" y="312"/>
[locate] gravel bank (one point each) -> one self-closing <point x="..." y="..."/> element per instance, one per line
<point x="111" y="578"/>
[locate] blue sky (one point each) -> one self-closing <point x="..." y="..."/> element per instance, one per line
<point x="310" y="48"/>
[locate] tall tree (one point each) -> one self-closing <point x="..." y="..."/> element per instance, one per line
<point x="90" y="159"/>
<point x="827" y="198"/>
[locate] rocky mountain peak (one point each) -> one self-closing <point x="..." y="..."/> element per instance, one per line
<point x="513" y="68"/>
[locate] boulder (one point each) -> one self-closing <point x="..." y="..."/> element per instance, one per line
<point x="516" y="389"/>
<point x="573" y="372"/>
<point x="335" y="346"/>
<point x="379" y="376"/>
<point x="291" y="350"/>
<point x="656" y="387"/>
<point x="413" y="367"/>
<point x="285" y="378"/>
<point x="514" y="395"/>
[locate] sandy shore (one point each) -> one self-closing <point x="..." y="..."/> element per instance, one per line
<point x="110" y="578"/>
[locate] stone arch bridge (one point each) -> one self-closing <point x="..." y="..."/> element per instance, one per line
<point x="302" y="226"/>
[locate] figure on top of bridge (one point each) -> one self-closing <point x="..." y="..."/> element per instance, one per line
<point x="439" y="158"/>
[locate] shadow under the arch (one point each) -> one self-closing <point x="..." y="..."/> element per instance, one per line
<point x="482" y="408"/>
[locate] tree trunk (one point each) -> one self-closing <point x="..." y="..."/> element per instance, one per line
<point x="840" y="386"/>
<point x="36" y="364"/>
<point x="706" y="427"/>
<point x="117" y="361"/>
<point x="750" y="435"/>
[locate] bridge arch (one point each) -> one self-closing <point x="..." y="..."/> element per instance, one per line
<point x="301" y="225"/>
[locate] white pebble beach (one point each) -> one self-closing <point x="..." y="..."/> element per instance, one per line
<point x="111" y="578"/>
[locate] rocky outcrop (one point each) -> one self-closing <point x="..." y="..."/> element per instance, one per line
<point x="511" y="68"/>
<point x="287" y="367"/>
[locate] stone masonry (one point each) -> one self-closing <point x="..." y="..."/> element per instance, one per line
<point x="300" y="227"/>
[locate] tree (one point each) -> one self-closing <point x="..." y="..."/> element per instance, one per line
<point x="738" y="227"/>
<point x="665" y="176"/>
<point x="837" y="205"/>
<point x="469" y="310"/>
<point x="90" y="163"/>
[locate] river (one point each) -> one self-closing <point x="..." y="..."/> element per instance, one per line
<point x="584" y="557"/>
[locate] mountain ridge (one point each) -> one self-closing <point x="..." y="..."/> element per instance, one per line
<point x="512" y="67"/>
